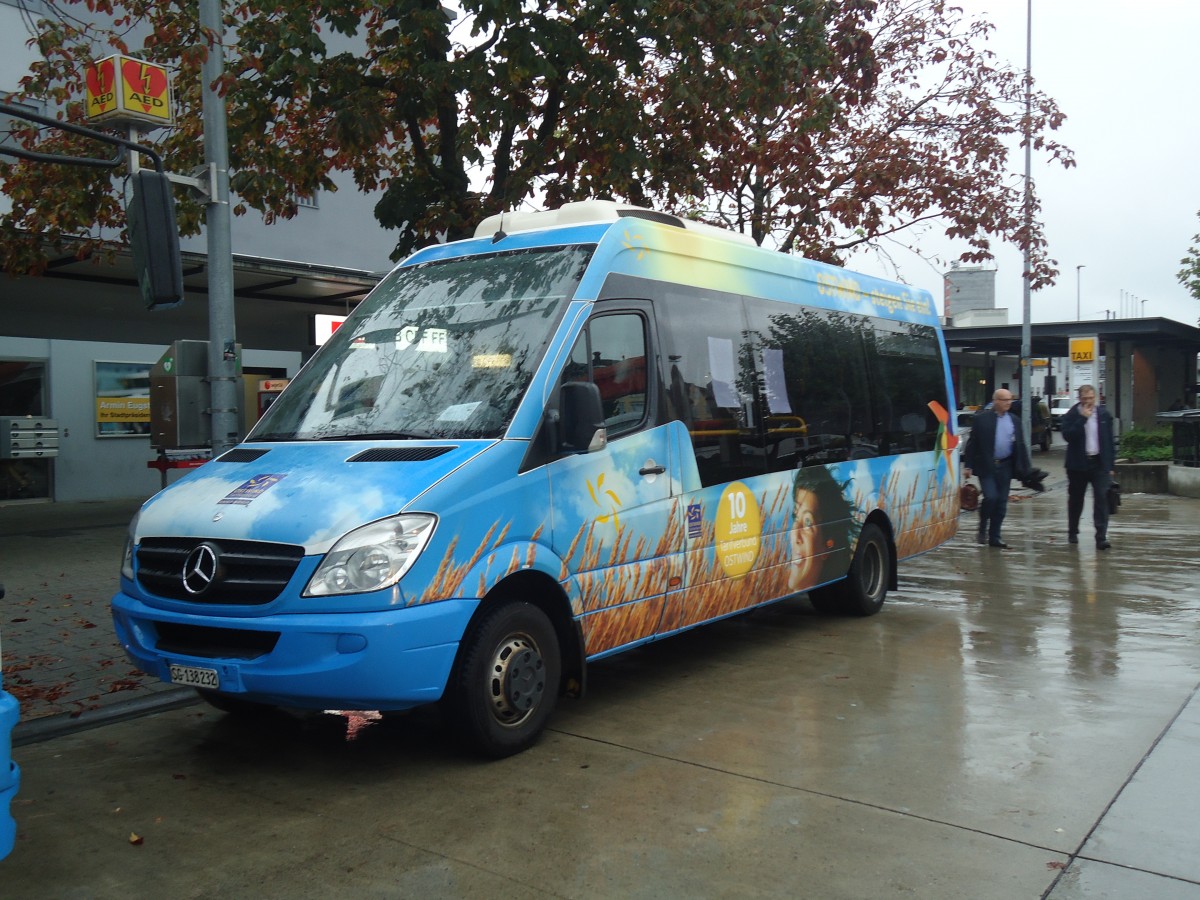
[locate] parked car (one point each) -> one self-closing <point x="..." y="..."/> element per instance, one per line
<point x="1040" y="424"/>
<point x="966" y="418"/>
<point x="1058" y="409"/>
<point x="1040" y="435"/>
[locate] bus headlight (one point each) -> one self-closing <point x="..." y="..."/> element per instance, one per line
<point x="127" y="556"/>
<point x="372" y="557"/>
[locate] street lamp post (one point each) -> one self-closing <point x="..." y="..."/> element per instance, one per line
<point x="1078" y="317"/>
<point x="222" y="340"/>
<point x="1026" y="329"/>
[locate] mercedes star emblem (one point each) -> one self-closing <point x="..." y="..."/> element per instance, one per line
<point x="200" y="569"/>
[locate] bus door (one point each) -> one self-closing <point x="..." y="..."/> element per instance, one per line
<point x="616" y="524"/>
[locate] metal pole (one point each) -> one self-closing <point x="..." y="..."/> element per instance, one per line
<point x="1026" y="330"/>
<point x="222" y="356"/>
<point x="1078" y="315"/>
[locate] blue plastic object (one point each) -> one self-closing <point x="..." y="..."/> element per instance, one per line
<point x="10" y="773"/>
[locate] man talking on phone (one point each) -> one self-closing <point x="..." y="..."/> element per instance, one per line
<point x="1087" y="427"/>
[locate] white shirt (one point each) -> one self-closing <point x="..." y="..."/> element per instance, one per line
<point x="1091" y="432"/>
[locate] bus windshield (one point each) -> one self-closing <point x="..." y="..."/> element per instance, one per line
<point x="440" y="350"/>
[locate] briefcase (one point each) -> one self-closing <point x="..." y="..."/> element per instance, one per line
<point x="1113" y="496"/>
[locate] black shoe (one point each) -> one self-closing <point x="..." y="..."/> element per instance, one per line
<point x="1072" y="539"/>
<point x="981" y="538"/>
<point x="1000" y="544"/>
<point x="1102" y="544"/>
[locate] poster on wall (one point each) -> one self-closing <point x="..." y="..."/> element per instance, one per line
<point x="122" y="399"/>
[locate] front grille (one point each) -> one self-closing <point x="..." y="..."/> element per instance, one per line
<point x="248" y="572"/>
<point x="214" y="643"/>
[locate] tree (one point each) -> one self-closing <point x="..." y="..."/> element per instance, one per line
<point x="452" y="119"/>
<point x="927" y="139"/>
<point x="1189" y="275"/>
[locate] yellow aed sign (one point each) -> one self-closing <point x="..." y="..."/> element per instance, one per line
<point x="1083" y="350"/>
<point x="124" y="89"/>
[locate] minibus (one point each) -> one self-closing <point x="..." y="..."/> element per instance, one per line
<point x="579" y="431"/>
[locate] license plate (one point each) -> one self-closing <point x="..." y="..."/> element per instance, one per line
<point x="194" y="676"/>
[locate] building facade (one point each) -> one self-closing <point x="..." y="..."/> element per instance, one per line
<point x="77" y="344"/>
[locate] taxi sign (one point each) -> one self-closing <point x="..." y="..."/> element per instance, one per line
<point x="1083" y="350"/>
<point x="122" y="89"/>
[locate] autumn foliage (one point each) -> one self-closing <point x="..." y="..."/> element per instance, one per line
<point x="814" y="126"/>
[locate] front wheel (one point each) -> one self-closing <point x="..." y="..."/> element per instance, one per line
<point x="864" y="588"/>
<point x="506" y="683"/>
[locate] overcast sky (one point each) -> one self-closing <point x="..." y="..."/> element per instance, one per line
<point x="1126" y="75"/>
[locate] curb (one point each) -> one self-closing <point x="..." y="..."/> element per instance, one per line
<point x="48" y="727"/>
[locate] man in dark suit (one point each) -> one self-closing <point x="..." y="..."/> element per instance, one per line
<point x="995" y="452"/>
<point x="1087" y="427"/>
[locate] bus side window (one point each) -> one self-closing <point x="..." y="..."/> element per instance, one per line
<point x="815" y="384"/>
<point x="714" y="384"/>
<point x="908" y="375"/>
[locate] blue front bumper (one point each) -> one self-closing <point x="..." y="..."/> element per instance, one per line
<point x="390" y="660"/>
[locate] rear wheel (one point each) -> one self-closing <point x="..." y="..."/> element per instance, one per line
<point x="864" y="589"/>
<point x="506" y="683"/>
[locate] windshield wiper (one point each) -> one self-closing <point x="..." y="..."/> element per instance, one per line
<point x="272" y="438"/>
<point x="377" y="436"/>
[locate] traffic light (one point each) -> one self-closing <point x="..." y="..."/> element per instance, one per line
<point x="154" y="237"/>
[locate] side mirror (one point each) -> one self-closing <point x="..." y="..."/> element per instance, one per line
<point x="581" y="418"/>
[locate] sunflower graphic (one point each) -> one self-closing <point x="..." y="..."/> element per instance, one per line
<point x="605" y="498"/>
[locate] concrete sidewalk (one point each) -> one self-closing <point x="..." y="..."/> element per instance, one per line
<point x="1017" y="723"/>
<point x="59" y="563"/>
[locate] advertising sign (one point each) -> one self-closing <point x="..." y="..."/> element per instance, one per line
<point x="123" y="89"/>
<point x="122" y="398"/>
<point x="324" y="326"/>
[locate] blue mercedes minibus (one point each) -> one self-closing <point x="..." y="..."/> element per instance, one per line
<point x="580" y="431"/>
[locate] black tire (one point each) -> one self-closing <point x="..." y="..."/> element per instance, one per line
<point x="506" y="683"/>
<point x="235" y="706"/>
<point x="865" y="587"/>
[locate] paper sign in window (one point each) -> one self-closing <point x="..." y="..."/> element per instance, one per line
<point x="459" y="412"/>
<point x="428" y="340"/>
<point x="777" y="398"/>
<point x="721" y="369"/>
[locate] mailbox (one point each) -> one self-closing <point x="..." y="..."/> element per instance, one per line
<point x="28" y="437"/>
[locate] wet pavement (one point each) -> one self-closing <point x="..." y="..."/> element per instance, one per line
<point x="1015" y="723"/>
<point x="59" y="564"/>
